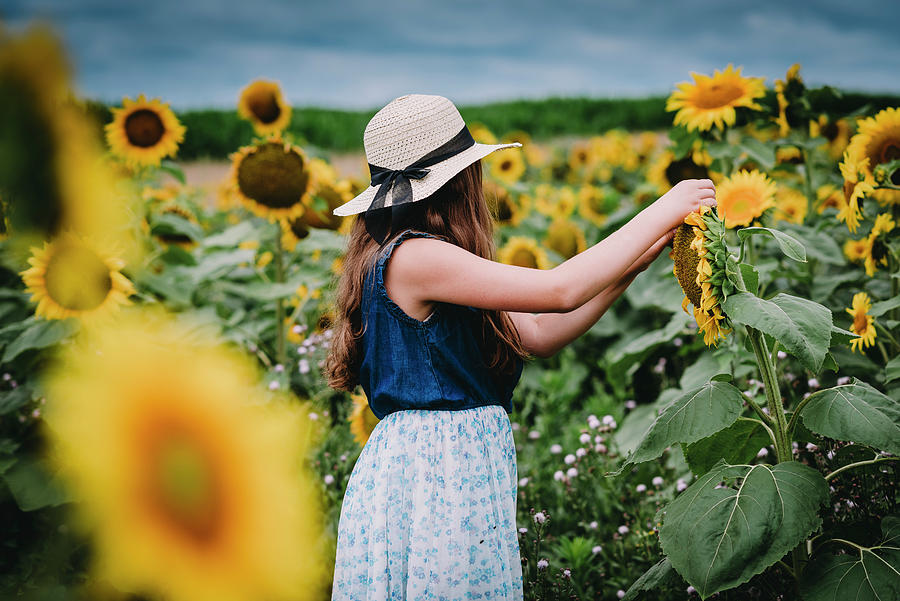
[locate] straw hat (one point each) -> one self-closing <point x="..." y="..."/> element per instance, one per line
<point x="414" y="145"/>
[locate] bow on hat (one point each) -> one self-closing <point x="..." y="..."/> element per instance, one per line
<point x="381" y="221"/>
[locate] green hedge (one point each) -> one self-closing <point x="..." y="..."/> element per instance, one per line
<point x="213" y="133"/>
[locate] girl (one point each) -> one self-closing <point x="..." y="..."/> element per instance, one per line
<point x="435" y="332"/>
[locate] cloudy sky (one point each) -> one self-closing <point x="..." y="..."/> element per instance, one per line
<point x="363" y="53"/>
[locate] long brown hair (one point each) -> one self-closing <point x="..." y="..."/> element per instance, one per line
<point x="457" y="213"/>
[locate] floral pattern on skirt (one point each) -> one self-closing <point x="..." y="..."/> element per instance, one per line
<point x="430" y="510"/>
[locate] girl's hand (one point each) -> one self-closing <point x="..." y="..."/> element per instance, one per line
<point x="644" y="261"/>
<point x="684" y="198"/>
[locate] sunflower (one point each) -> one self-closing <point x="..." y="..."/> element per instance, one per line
<point x="829" y="196"/>
<point x="481" y="133"/>
<point x="362" y="420"/>
<point x="504" y="209"/>
<point x="72" y="276"/>
<point x="856" y="250"/>
<point x="522" y="137"/>
<point x="524" y="252"/>
<point x="556" y="202"/>
<point x="855" y="188"/>
<point x="863" y="324"/>
<point x="792" y="81"/>
<point x="272" y="178"/>
<point x="581" y="156"/>
<point x="712" y="100"/>
<point x="665" y="171"/>
<point x="698" y="252"/>
<point x="788" y="154"/>
<point x="594" y="204"/>
<point x="164" y="194"/>
<point x="142" y="132"/>
<point x="645" y="145"/>
<point x="744" y="196"/>
<point x="292" y="231"/>
<point x="790" y="205"/>
<point x="565" y="238"/>
<point x="878" y="140"/>
<point x="507" y="167"/>
<point x="876" y="243"/>
<point x="181" y="240"/>
<point x="262" y="104"/>
<point x="327" y="194"/>
<point x="168" y="439"/>
<point x="836" y="132"/>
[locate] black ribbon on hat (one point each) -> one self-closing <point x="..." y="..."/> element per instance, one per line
<point x="382" y="221"/>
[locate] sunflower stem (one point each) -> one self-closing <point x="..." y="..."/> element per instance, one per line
<point x="780" y="429"/>
<point x="280" y="351"/>
<point x="773" y="394"/>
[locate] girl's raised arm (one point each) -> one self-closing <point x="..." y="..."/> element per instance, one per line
<point x="437" y="271"/>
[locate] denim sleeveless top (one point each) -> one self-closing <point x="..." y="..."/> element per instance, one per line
<point x="432" y="364"/>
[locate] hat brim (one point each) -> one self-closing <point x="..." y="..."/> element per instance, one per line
<point x="421" y="188"/>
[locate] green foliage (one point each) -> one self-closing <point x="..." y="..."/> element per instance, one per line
<point x="802" y="326"/>
<point x="736" y="444"/>
<point x="718" y="537"/>
<point x="856" y="412"/>
<point x="864" y="574"/>
<point x="696" y="414"/>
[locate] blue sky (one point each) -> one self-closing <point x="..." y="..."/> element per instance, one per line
<point x="363" y="53"/>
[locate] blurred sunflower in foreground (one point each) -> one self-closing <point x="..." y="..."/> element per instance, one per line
<point x="698" y="252"/>
<point x="262" y="104"/>
<point x="362" y="419"/>
<point x="72" y="276"/>
<point x="189" y="479"/>
<point x="143" y="131"/>
<point x="711" y="101"/>
<point x="52" y="173"/>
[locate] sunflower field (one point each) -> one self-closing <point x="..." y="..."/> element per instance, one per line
<point x="730" y="430"/>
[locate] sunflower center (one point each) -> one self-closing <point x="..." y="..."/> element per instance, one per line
<point x="184" y="487"/>
<point x="830" y="131"/>
<point x="685" y="168"/>
<point x="686" y="261"/>
<point x="718" y="95"/>
<point x="506" y="165"/>
<point x="860" y="323"/>
<point x="741" y="203"/>
<point x="144" y="128"/>
<point x="265" y="107"/>
<point x="273" y="176"/>
<point x="76" y="278"/>
<point x="524" y="258"/>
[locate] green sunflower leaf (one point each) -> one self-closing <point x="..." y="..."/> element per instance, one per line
<point x="661" y="574"/>
<point x="802" y="326"/>
<point x="694" y="415"/>
<point x="789" y="245"/>
<point x="856" y="412"/>
<point x="718" y="537"/>
<point x="866" y="574"/>
<point x="39" y="334"/>
<point x="738" y="443"/>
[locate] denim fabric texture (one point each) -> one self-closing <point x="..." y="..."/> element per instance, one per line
<point x="432" y="364"/>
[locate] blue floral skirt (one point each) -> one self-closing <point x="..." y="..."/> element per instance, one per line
<point x="430" y="510"/>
